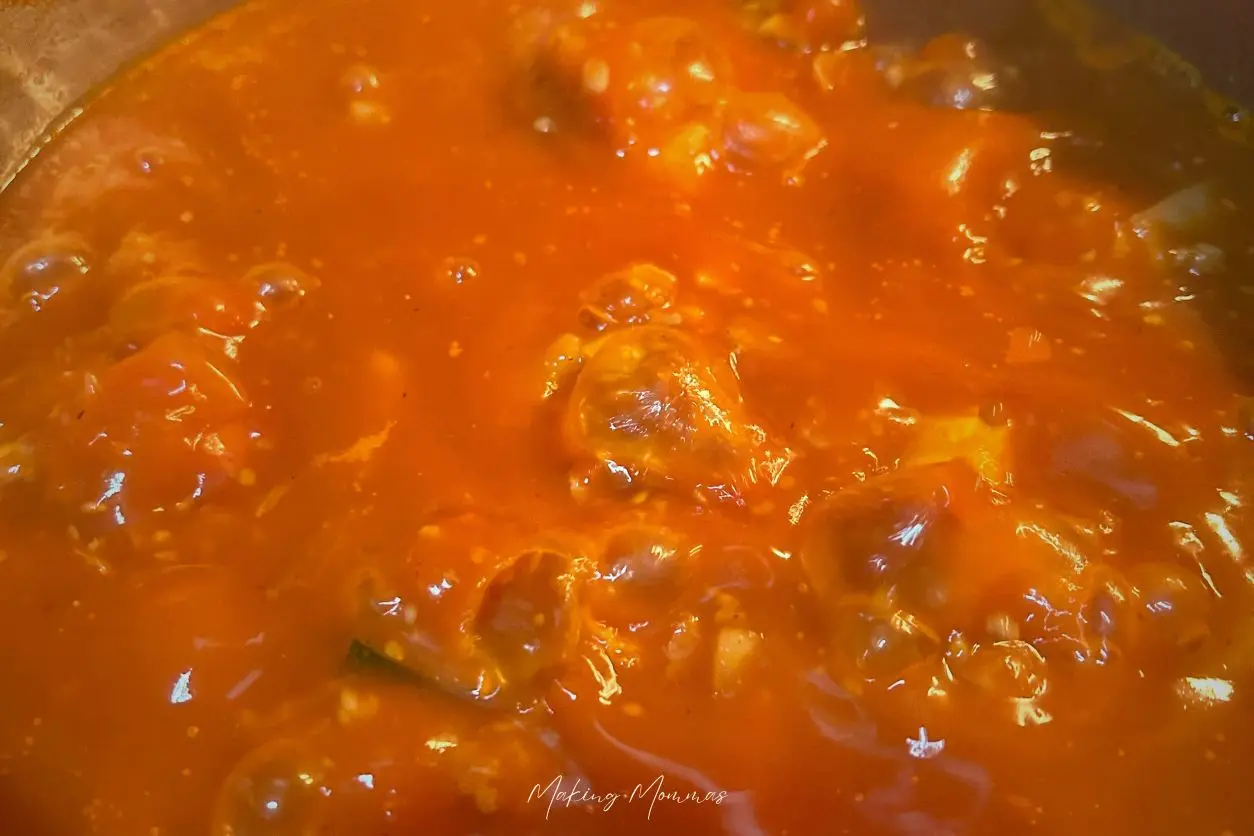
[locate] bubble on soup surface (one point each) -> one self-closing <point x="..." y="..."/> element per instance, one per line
<point x="877" y="643"/>
<point x="768" y="130"/>
<point x="472" y="606"/>
<point x="279" y="285"/>
<point x="158" y="430"/>
<point x="865" y="537"/>
<point x="643" y="555"/>
<point x="280" y="789"/>
<point x="157" y="306"/>
<point x="642" y="570"/>
<point x="359" y="78"/>
<point x="458" y="269"/>
<point x="361" y="84"/>
<point x="1010" y="669"/>
<point x="650" y="405"/>
<point x="17" y="460"/>
<point x="40" y="273"/>
<point x="526" y="621"/>
<point x="105" y="155"/>
<point x="1108" y="619"/>
<point x="1174" y="606"/>
<point x="633" y="296"/>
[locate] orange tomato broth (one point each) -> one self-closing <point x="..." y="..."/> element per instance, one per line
<point x="624" y="417"/>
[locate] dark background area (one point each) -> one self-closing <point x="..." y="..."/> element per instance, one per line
<point x="1216" y="36"/>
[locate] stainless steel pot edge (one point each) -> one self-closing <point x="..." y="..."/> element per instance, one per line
<point x="1105" y="41"/>
<point x="55" y="55"/>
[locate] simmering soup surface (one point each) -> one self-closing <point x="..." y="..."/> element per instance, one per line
<point x="622" y="417"/>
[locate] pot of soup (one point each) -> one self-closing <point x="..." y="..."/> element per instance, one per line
<point x="746" y="417"/>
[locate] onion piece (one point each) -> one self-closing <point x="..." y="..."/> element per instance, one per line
<point x="1176" y="220"/>
<point x="735" y="648"/>
<point x="962" y="438"/>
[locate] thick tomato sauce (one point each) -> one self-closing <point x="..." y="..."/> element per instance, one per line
<point x="622" y="417"/>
